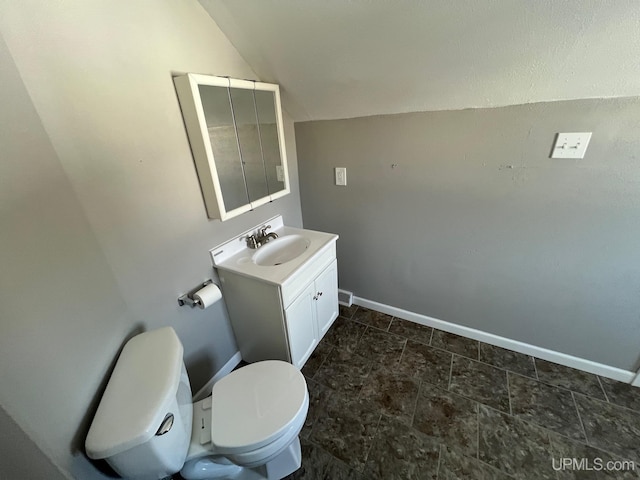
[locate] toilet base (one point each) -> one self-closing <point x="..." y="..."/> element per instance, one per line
<point x="283" y="464"/>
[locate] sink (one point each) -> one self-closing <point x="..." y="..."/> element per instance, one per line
<point x="281" y="250"/>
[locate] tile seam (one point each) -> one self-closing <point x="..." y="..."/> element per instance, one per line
<point x="535" y="368"/>
<point x="439" y="460"/>
<point x="603" y="389"/>
<point x="584" y="430"/>
<point x="375" y="435"/>
<point x="477" y="431"/>
<point x="509" y="395"/>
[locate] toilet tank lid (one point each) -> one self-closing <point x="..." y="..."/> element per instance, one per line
<point x="143" y="384"/>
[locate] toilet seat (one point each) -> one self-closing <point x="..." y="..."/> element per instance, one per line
<point x="255" y="406"/>
<point x="266" y="453"/>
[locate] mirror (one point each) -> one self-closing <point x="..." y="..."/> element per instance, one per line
<point x="237" y="140"/>
<point x="268" y="124"/>
<point x="249" y="140"/>
<point x="224" y="146"/>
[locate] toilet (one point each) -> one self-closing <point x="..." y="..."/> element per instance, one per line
<point x="146" y="426"/>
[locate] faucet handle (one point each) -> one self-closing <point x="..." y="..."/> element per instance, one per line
<point x="252" y="241"/>
<point x="264" y="229"/>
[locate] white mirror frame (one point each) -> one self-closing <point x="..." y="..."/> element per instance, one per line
<point x="196" y="126"/>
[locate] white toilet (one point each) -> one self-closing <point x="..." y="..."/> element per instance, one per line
<point x="147" y="428"/>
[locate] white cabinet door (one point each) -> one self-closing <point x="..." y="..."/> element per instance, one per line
<point x="326" y="295"/>
<point x="301" y="326"/>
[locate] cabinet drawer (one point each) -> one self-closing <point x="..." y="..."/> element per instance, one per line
<point x="301" y="279"/>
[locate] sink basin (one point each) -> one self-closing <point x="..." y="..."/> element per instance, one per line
<point x="281" y="250"/>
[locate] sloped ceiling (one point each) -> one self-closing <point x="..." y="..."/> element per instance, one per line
<point x="342" y="59"/>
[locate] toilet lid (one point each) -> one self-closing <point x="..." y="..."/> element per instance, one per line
<point x="254" y="405"/>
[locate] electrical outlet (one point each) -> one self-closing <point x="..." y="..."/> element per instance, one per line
<point x="280" y="173"/>
<point x="341" y="176"/>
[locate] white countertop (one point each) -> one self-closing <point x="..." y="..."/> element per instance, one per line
<point x="235" y="256"/>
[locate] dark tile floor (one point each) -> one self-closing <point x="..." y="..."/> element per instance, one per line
<point x="391" y="399"/>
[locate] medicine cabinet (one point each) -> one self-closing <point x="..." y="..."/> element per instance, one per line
<point x="237" y="140"/>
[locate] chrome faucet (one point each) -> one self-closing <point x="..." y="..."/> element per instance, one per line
<point x="252" y="241"/>
<point x="261" y="237"/>
<point x="264" y="236"/>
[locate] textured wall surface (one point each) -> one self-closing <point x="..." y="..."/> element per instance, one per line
<point x="477" y="226"/>
<point x="102" y="219"/>
<point x="338" y="59"/>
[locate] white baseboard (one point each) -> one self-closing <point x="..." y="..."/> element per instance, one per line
<point x="521" y="347"/>
<point x="226" y="369"/>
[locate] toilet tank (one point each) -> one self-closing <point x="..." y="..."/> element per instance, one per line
<point x="142" y="427"/>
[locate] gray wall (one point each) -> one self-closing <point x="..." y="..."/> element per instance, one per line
<point x="102" y="220"/>
<point x="477" y="226"/>
<point x="20" y="457"/>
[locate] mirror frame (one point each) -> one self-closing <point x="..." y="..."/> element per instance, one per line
<point x="187" y="88"/>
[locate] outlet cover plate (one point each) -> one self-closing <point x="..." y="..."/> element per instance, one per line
<point x="571" y="145"/>
<point x="341" y="176"/>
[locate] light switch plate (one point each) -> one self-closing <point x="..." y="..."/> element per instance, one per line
<point x="571" y="145"/>
<point x="341" y="176"/>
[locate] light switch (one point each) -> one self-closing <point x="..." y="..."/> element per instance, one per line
<point x="341" y="176"/>
<point x="571" y="145"/>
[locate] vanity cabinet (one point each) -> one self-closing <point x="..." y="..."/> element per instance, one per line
<point x="311" y="314"/>
<point x="283" y="321"/>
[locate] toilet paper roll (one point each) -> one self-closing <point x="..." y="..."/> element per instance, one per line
<point x="208" y="295"/>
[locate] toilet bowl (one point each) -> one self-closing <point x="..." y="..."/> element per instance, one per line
<point x="147" y="428"/>
<point x="253" y="415"/>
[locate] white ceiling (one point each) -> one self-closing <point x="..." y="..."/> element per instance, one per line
<point x="341" y="59"/>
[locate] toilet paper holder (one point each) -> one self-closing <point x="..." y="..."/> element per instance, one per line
<point x="187" y="298"/>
